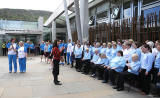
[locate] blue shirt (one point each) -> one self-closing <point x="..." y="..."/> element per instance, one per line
<point x="103" y="50"/>
<point x="108" y="53"/>
<point x="31" y="46"/>
<point x="42" y="47"/>
<point x="113" y="53"/>
<point x="95" y="58"/>
<point x="87" y="56"/>
<point x="135" y="66"/>
<point x="157" y="61"/>
<point x="147" y="61"/>
<point x="8" y="45"/>
<point x="78" y="52"/>
<point x="65" y="48"/>
<point x="50" y="47"/>
<point x="100" y="61"/>
<point x="61" y="45"/>
<point x="118" y="62"/>
<point x="106" y="63"/>
<point x="26" y="45"/>
<point x="119" y="47"/>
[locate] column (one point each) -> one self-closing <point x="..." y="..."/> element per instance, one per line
<point x="84" y="16"/>
<point x="139" y="7"/>
<point x="78" y="22"/>
<point x="67" y="20"/>
<point x="132" y="8"/>
<point x="53" y="31"/>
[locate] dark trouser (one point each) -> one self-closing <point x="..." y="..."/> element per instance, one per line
<point x="124" y="75"/>
<point x="65" y="54"/>
<point x="4" y="51"/>
<point x="86" y="66"/>
<point x="155" y="76"/>
<point x="55" y="71"/>
<point x="112" y="75"/>
<point x="78" y="64"/>
<point x="100" y="71"/>
<point x="106" y="75"/>
<point x="145" y="81"/>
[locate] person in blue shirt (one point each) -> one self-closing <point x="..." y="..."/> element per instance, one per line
<point x="12" y="55"/>
<point x="93" y="62"/>
<point x="103" y="50"/>
<point x="27" y="46"/>
<point x="32" y="48"/>
<point x="22" y="55"/>
<point x="78" y="57"/>
<point x="100" y="69"/>
<point x="114" y="51"/>
<point x="136" y="46"/>
<point x="50" y="56"/>
<point x="42" y="49"/>
<point x="65" y="52"/>
<point x="156" y="73"/>
<point x="86" y="61"/>
<point x="116" y="66"/>
<point x="132" y="72"/>
<point x="146" y="65"/>
<point x="109" y="50"/>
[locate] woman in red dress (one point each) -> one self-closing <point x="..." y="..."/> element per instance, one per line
<point x="56" y="59"/>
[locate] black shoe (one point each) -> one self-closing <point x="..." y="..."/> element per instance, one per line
<point x="58" y="83"/>
<point x="115" y="87"/>
<point x="120" y="89"/>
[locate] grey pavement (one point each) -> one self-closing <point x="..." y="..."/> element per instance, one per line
<point x="37" y="82"/>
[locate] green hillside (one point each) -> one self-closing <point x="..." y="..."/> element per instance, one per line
<point x="22" y="14"/>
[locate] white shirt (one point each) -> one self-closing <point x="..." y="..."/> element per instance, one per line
<point x="69" y="47"/>
<point x="12" y="52"/>
<point x="21" y="53"/>
<point x="127" y="54"/>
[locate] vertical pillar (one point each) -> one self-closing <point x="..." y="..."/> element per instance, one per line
<point x="53" y="31"/>
<point x="132" y="8"/>
<point x="138" y="19"/>
<point x="84" y="16"/>
<point x="67" y="20"/>
<point x="121" y="19"/>
<point x="139" y="7"/>
<point x="78" y="22"/>
<point x="109" y="17"/>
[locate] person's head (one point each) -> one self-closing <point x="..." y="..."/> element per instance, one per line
<point x="13" y="40"/>
<point x="146" y="41"/>
<point x="87" y="50"/>
<point x="55" y="43"/>
<point x="103" y="55"/>
<point x="114" y="45"/>
<point x="136" y="45"/>
<point x="60" y="41"/>
<point x="131" y="41"/>
<point x="151" y="44"/>
<point x="156" y="43"/>
<point x="97" y="44"/>
<point x="119" y="53"/>
<point x="69" y="40"/>
<point x="104" y="45"/>
<point x="109" y="45"/>
<point x="134" y="57"/>
<point x="128" y="45"/>
<point x="158" y="46"/>
<point x="96" y="51"/>
<point x="42" y="42"/>
<point x="21" y="43"/>
<point x="46" y="43"/>
<point x="79" y="45"/>
<point x="146" y="48"/>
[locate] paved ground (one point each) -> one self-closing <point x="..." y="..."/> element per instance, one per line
<point x="38" y="83"/>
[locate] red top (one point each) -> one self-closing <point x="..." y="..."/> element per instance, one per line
<point x="56" y="53"/>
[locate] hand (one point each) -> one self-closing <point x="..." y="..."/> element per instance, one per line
<point x="146" y="73"/>
<point x="105" y="66"/>
<point x="108" y="67"/>
<point x="114" y="68"/>
<point x="158" y="73"/>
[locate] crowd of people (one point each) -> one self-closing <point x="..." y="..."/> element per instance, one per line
<point x="112" y="62"/>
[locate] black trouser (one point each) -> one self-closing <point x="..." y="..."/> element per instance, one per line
<point x="55" y="70"/>
<point x="112" y="75"/>
<point x="100" y="71"/>
<point x="86" y="66"/>
<point x="145" y="81"/>
<point x="106" y="74"/>
<point x="4" y="51"/>
<point x="94" y="67"/>
<point x="78" y="64"/>
<point x="65" y="54"/>
<point x="124" y="75"/>
<point x="155" y="76"/>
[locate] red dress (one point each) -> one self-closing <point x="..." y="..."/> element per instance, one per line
<point x="56" y="53"/>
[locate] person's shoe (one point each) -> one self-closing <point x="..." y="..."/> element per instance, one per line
<point x="10" y="71"/>
<point x="120" y="89"/>
<point x="58" y="83"/>
<point x="115" y="87"/>
<point x="15" y="72"/>
<point x="104" y="81"/>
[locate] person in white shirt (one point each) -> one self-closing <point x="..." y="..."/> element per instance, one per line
<point x="12" y="56"/>
<point x="22" y="55"/>
<point x="69" y="52"/>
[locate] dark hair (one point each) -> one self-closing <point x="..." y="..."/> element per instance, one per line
<point x="137" y="44"/>
<point x="148" y="47"/>
<point x="121" y="52"/>
<point x="55" y="43"/>
<point x="12" y="39"/>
